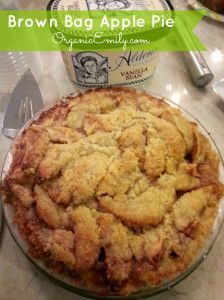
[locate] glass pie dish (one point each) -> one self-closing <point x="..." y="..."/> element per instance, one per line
<point x="64" y="281"/>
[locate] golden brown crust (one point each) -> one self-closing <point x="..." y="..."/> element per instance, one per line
<point x="142" y="211"/>
<point x="119" y="190"/>
<point x="86" y="235"/>
<point x="52" y="214"/>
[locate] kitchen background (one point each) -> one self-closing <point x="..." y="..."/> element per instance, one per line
<point x="22" y="281"/>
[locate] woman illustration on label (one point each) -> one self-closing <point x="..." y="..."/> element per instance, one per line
<point x="90" y="68"/>
<point x="108" y="4"/>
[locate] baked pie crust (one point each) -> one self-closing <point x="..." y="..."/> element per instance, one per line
<point x="114" y="188"/>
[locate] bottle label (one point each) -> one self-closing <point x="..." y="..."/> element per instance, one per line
<point x="90" y="69"/>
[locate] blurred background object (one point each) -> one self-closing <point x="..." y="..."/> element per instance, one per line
<point x="12" y="4"/>
<point x="216" y="5"/>
<point x="27" y="4"/>
<point x="9" y="4"/>
<point x="14" y="64"/>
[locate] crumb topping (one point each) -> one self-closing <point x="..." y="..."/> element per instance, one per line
<point x="114" y="188"/>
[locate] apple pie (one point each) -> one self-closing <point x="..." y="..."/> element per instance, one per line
<point x="115" y="189"/>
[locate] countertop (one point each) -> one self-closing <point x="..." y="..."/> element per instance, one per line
<point x="21" y="281"/>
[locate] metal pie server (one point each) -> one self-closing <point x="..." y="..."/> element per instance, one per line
<point x="23" y="104"/>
